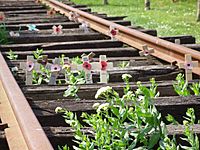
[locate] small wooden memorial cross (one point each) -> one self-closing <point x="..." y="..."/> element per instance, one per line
<point x="87" y="66"/>
<point x="32" y="27"/>
<point x="57" y="29"/>
<point x="113" y="32"/>
<point x="66" y="67"/>
<point x="188" y="65"/>
<point x="55" y="69"/>
<point x="2" y="17"/>
<point x="51" y="12"/>
<point x="84" y="26"/>
<point x="73" y="16"/>
<point x="146" y="51"/>
<point x="100" y="66"/>
<point x="104" y="66"/>
<point x="30" y="65"/>
<point x="37" y="1"/>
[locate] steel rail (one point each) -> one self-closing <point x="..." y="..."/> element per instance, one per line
<point x="164" y="50"/>
<point x="31" y="129"/>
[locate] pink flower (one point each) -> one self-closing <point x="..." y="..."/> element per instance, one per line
<point x="87" y="65"/>
<point x="103" y="65"/>
<point x="55" y="68"/>
<point x="30" y="65"/>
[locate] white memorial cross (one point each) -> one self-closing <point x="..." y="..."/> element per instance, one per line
<point x="84" y="26"/>
<point x="73" y="16"/>
<point x="100" y="66"/>
<point x="104" y="66"/>
<point x="188" y="65"/>
<point x="55" y="69"/>
<point x="113" y="32"/>
<point x="57" y="30"/>
<point x="30" y="65"/>
<point x="51" y="12"/>
<point x="146" y="51"/>
<point x="2" y="17"/>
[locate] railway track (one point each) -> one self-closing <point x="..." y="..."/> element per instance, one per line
<point x="27" y="112"/>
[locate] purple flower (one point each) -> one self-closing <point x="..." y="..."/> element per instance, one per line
<point x="55" y="68"/>
<point x="188" y="66"/>
<point x="30" y="65"/>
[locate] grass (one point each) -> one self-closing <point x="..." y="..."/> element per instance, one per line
<point x="166" y="17"/>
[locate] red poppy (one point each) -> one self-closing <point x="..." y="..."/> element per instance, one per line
<point x="103" y="65"/>
<point x="113" y="32"/>
<point x="58" y="29"/>
<point x="2" y="17"/>
<point x="87" y="65"/>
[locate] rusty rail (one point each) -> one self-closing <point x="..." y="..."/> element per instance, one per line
<point x="29" y="130"/>
<point x="164" y="50"/>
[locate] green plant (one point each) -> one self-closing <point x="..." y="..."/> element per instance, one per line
<point x="37" y="77"/>
<point x="38" y="53"/>
<point x="171" y="119"/>
<point x="43" y="75"/>
<point x="62" y="62"/>
<point x="195" y="87"/>
<point x="77" y="60"/>
<point x="46" y="74"/>
<point x="11" y="55"/>
<point x="191" y="138"/>
<point x="115" y="125"/>
<point x="180" y="86"/>
<point x="188" y="122"/>
<point x="123" y="64"/>
<point x="63" y="148"/>
<point x="3" y="34"/>
<point x="125" y="127"/>
<point x="73" y="80"/>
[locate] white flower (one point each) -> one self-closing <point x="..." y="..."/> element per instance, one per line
<point x="126" y="76"/>
<point x="96" y="105"/>
<point x="103" y="106"/>
<point x="102" y="90"/>
<point x="58" y="109"/>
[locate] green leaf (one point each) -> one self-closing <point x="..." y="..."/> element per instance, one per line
<point x="153" y="140"/>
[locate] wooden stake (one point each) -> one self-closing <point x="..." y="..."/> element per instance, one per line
<point x="177" y="41"/>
